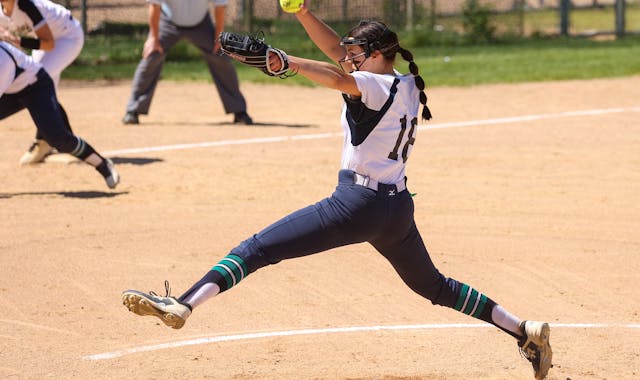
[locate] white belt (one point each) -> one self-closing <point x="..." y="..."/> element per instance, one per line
<point x="371" y="183"/>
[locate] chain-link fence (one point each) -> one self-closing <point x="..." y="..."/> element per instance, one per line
<point x="513" y="17"/>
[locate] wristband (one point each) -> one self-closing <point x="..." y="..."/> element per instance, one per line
<point x="30" y="43"/>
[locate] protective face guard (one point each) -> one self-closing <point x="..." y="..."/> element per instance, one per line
<point x="347" y="63"/>
<point x="350" y="41"/>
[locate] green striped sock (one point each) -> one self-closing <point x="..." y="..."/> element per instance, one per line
<point x="232" y="268"/>
<point x="470" y="301"/>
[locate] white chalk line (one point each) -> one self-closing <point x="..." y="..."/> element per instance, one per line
<point x="263" y="140"/>
<point x="333" y="330"/>
<point x="37" y="326"/>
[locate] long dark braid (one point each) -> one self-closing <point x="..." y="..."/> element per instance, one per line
<point x="380" y="37"/>
<point x="413" y="68"/>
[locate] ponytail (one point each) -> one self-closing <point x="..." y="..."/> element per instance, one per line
<point x="413" y="68"/>
<point x="375" y="35"/>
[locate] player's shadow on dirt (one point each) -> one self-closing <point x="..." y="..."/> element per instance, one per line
<point x="267" y="124"/>
<point x="66" y="194"/>
<point x="227" y="124"/>
<point x="135" y="160"/>
<point x="116" y="160"/>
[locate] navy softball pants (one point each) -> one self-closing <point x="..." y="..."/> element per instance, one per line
<point x="352" y="214"/>
<point x="41" y="101"/>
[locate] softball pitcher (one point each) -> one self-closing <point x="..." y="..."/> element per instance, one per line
<point x="55" y="39"/>
<point x="371" y="202"/>
<point x="25" y="84"/>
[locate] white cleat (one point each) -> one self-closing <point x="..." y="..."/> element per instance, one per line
<point x="171" y="312"/>
<point x="535" y="347"/>
<point x="37" y="152"/>
<point x="113" y="178"/>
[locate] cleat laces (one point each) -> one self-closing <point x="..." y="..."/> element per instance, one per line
<point x="167" y="290"/>
<point x="532" y="355"/>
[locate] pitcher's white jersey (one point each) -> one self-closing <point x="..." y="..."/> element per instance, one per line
<point x="29" y="15"/>
<point x="381" y="126"/>
<point x="18" y="69"/>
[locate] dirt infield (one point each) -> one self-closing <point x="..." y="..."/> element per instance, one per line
<point x="532" y="204"/>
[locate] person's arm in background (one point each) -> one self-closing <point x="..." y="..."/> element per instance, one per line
<point x="153" y="39"/>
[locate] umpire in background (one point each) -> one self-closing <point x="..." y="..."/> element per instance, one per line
<point x="169" y="22"/>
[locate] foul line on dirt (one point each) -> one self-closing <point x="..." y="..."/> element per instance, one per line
<point x="272" y="334"/>
<point x="503" y="120"/>
<point x="37" y="326"/>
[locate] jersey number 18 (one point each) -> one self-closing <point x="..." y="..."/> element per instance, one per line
<point x="393" y="155"/>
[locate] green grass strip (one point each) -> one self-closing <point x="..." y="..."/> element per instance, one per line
<point x="116" y="57"/>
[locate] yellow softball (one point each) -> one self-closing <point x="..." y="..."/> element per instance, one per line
<point x="291" y="6"/>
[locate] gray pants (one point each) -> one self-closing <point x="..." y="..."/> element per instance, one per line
<point x="202" y="36"/>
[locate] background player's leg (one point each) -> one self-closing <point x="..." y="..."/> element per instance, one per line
<point x="42" y="104"/>
<point x="66" y="50"/>
<point x="221" y="68"/>
<point x="65" y="121"/>
<point x="147" y="75"/>
<point x="10" y="104"/>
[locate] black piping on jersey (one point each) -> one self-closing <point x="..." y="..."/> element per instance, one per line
<point x="19" y="69"/>
<point x="31" y="10"/>
<point x="363" y="120"/>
